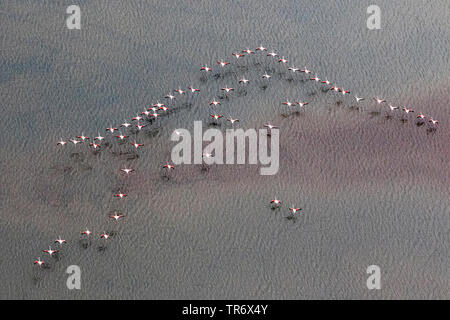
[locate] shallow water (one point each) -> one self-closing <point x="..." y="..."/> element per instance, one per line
<point x="374" y="190"/>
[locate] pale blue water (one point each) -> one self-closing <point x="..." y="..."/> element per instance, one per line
<point x="374" y="190"/>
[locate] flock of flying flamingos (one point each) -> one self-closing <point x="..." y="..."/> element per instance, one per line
<point x="152" y="113"/>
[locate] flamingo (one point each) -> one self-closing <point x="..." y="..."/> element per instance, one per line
<point x="168" y="166"/>
<point x="216" y="116"/>
<point x="206" y="68"/>
<point x="120" y="195"/>
<point x="288" y="103"/>
<point x="294" y="210"/>
<point x="60" y="241"/>
<point x="121" y="136"/>
<point x="74" y="141"/>
<point x="99" y="138"/>
<point x="244" y="81"/>
<point x="393" y="108"/>
<point x="127" y="170"/>
<point x="214" y="102"/>
<point x="39" y="262"/>
<point x="116" y="216"/>
<point x="407" y="110"/>
<point x="335" y="88"/>
<point x="305" y="70"/>
<point x="275" y="202"/>
<point x="358" y="99"/>
<point x="94" y="145"/>
<point x="136" y="145"/>
<point x="302" y="104"/>
<point x="232" y="120"/>
<point x="83" y="137"/>
<point x="86" y="232"/>
<point x="226" y="89"/>
<point x="61" y="142"/>
<point x="222" y="63"/>
<point x="104" y="235"/>
<point x="435" y="122"/>
<point x="50" y="251"/>
<point x="379" y="101"/>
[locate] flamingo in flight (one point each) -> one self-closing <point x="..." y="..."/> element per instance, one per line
<point x="136" y="145"/>
<point x="379" y="101"/>
<point x="74" y="141"/>
<point x="305" y="70"/>
<point x="214" y="102"/>
<point x="393" y="108"/>
<point x="216" y="116"/>
<point x="94" y="145"/>
<point x="302" y="104"/>
<point x="99" y="138"/>
<point x="50" y="251"/>
<point x="206" y="68"/>
<point x="237" y="55"/>
<point x="227" y="89"/>
<point x="120" y="195"/>
<point x="288" y="103"/>
<point x="104" y="235"/>
<point x="223" y="63"/>
<point x="86" y="232"/>
<point x="232" y="120"/>
<point x="127" y="170"/>
<point x="111" y="129"/>
<point x="275" y="202"/>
